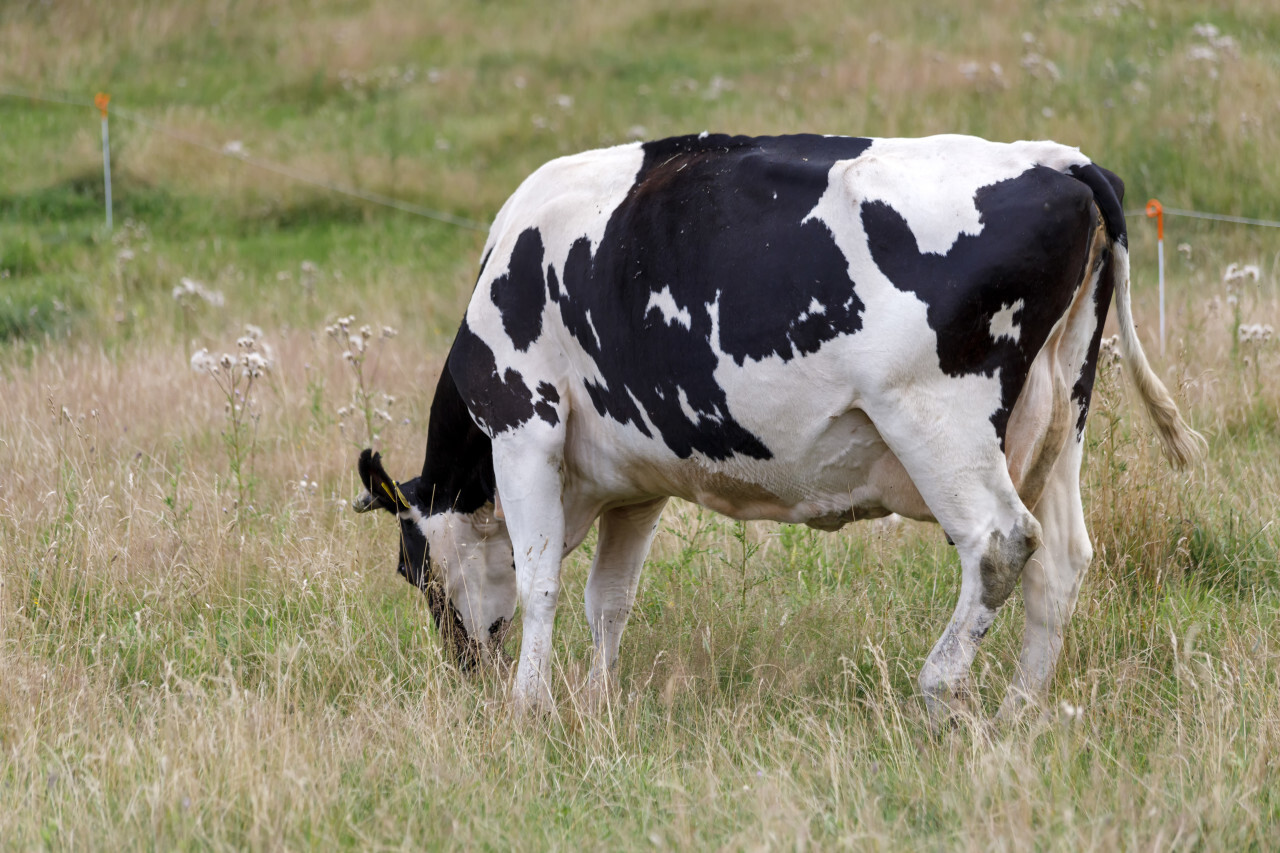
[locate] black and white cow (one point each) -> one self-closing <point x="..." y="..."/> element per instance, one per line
<point x="806" y="329"/>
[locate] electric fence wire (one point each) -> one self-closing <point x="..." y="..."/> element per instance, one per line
<point x="417" y="209"/>
<point x="259" y="163"/>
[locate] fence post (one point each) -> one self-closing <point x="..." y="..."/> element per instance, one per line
<point x="1155" y="210"/>
<point x="100" y="101"/>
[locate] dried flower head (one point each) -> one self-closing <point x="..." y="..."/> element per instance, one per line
<point x="189" y="290"/>
<point x="1239" y="272"/>
<point x="1255" y="333"/>
<point x="202" y="361"/>
<point x="254" y="364"/>
<point x="1109" y="351"/>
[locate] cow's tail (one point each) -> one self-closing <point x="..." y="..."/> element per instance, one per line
<point x="1180" y="443"/>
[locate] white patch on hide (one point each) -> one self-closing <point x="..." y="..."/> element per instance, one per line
<point x="1003" y="325"/>
<point x="666" y="305"/>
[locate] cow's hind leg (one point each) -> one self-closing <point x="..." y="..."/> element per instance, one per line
<point x="1051" y="581"/>
<point x="527" y="467"/>
<point x="626" y="533"/>
<point x="953" y="457"/>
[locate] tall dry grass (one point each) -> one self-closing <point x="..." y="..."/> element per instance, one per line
<point x="179" y="670"/>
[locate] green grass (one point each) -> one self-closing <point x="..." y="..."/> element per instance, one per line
<point x="177" y="670"/>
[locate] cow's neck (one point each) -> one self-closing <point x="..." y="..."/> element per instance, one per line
<point x="458" y="470"/>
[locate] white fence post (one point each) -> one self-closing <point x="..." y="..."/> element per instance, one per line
<point x="100" y="101"/>
<point x="1155" y="210"/>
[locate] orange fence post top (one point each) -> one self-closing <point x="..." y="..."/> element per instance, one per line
<point x="100" y="101"/>
<point x="1155" y="210"/>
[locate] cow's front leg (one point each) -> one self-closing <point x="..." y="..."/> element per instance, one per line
<point x="528" y="476"/>
<point x="625" y="535"/>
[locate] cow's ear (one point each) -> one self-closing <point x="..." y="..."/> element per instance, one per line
<point x="380" y="491"/>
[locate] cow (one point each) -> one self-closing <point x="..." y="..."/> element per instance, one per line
<point x="808" y="329"/>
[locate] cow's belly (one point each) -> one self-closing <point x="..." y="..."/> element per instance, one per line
<point x="832" y="471"/>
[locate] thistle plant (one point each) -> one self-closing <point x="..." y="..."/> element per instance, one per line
<point x="1254" y="339"/>
<point x="236" y="375"/>
<point x="365" y="404"/>
<point x="1232" y="279"/>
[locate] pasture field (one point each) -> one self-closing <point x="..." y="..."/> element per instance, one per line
<point x="201" y="646"/>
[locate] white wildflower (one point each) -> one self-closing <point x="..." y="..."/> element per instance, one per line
<point x="1254" y="333"/>
<point x="357" y="343"/>
<point x="389" y="332"/>
<point x="1040" y="67"/>
<point x="1202" y="53"/>
<point x="203" y="362"/>
<point x="1109" y="351"/>
<point x="309" y="268"/>
<point x="226" y="362"/>
<point x="189" y="289"/>
<point x="716" y="87"/>
<point x="366" y="331"/>
<point x="234" y="148"/>
<point x="254" y="364"/>
<point x="383" y="413"/>
<point x="1072" y="712"/>
<point x="124" y="255"/>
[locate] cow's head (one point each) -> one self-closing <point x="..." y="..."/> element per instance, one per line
<point x="462" y="561"/>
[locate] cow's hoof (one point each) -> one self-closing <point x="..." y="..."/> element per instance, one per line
<point x="532" y="703"/>
<point x="600" y="694"/>
<point x="950" y="705"/>
<point x="1017" y="706"/>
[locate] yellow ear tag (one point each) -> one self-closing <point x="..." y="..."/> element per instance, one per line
<point x="399" y="494"/>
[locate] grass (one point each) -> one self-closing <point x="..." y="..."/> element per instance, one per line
<point x="180" y="669"/>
